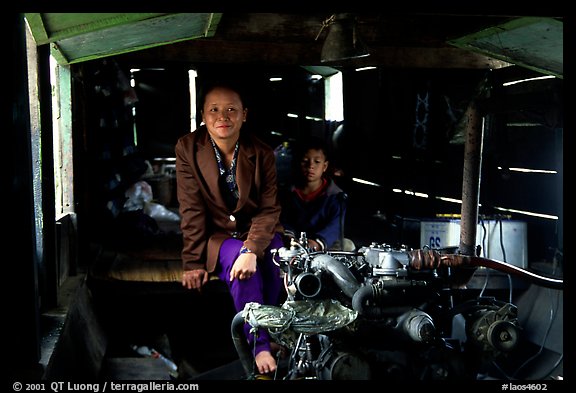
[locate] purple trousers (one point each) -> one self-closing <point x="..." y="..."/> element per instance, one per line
<point x="263" y="287"/>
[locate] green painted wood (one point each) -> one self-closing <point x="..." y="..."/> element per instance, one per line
<point x="213" y="24"/>
<point x="58" y="55"/>
<point x="36" y="25"/>
<point x="82" y="37"/>
<point x="535" y="43"/>
<point x="59" y="26"/>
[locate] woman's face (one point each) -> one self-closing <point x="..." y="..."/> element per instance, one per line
<point x="223" y="113"/>
<point x="313" y="165"/>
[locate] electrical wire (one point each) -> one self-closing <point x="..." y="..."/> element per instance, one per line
<point x="505" y="261"/>
<point x="545" y="338"/>
<point x="553" y="313"/>
<point x="487" y="276"/>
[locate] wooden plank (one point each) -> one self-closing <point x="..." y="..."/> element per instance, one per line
<point x="125" y="268"/>
<point x="57" y="26"/>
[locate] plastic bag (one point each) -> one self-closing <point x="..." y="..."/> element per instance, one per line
<point x="138" y="195"/>
<point x="159" y="212"/>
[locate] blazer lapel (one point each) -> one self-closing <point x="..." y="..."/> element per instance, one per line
<point x="209" y="169"/>
<point x="244" y="173"/>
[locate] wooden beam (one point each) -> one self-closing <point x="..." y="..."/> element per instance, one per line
<point x="226" y="51"/>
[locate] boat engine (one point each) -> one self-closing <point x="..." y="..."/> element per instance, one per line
<point x="382" y="313"/>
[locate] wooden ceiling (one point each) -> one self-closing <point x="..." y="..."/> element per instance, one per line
<point x="394" y="40"/>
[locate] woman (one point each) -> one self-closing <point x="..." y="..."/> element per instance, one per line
<point x="227" y="194"/>
<point x="315" y="204"/>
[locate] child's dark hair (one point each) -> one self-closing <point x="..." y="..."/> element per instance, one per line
<point x="312" y="142"/>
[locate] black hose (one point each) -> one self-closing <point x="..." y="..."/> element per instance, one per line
<point x="241" y="344"/>
<point x="371" y="293"/>
<point x="360" y="296"/>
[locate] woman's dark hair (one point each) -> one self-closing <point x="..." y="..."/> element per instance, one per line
<point x="212" y="84"/>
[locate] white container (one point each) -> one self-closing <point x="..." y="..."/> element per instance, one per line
<point x="513" y="249"/>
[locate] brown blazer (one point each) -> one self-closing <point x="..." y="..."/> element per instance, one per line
<point x="205" y="220"/>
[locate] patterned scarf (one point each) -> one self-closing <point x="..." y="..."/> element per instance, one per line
<point x="229" y="174"/>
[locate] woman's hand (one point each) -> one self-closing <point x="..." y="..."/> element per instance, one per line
<point x="244" y="267"/>
<point x="194" y="279"/>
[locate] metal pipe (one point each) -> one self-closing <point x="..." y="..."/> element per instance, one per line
<point x="341" y="275"/>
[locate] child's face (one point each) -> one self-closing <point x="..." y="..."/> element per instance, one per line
<point x="313" y="165"/>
